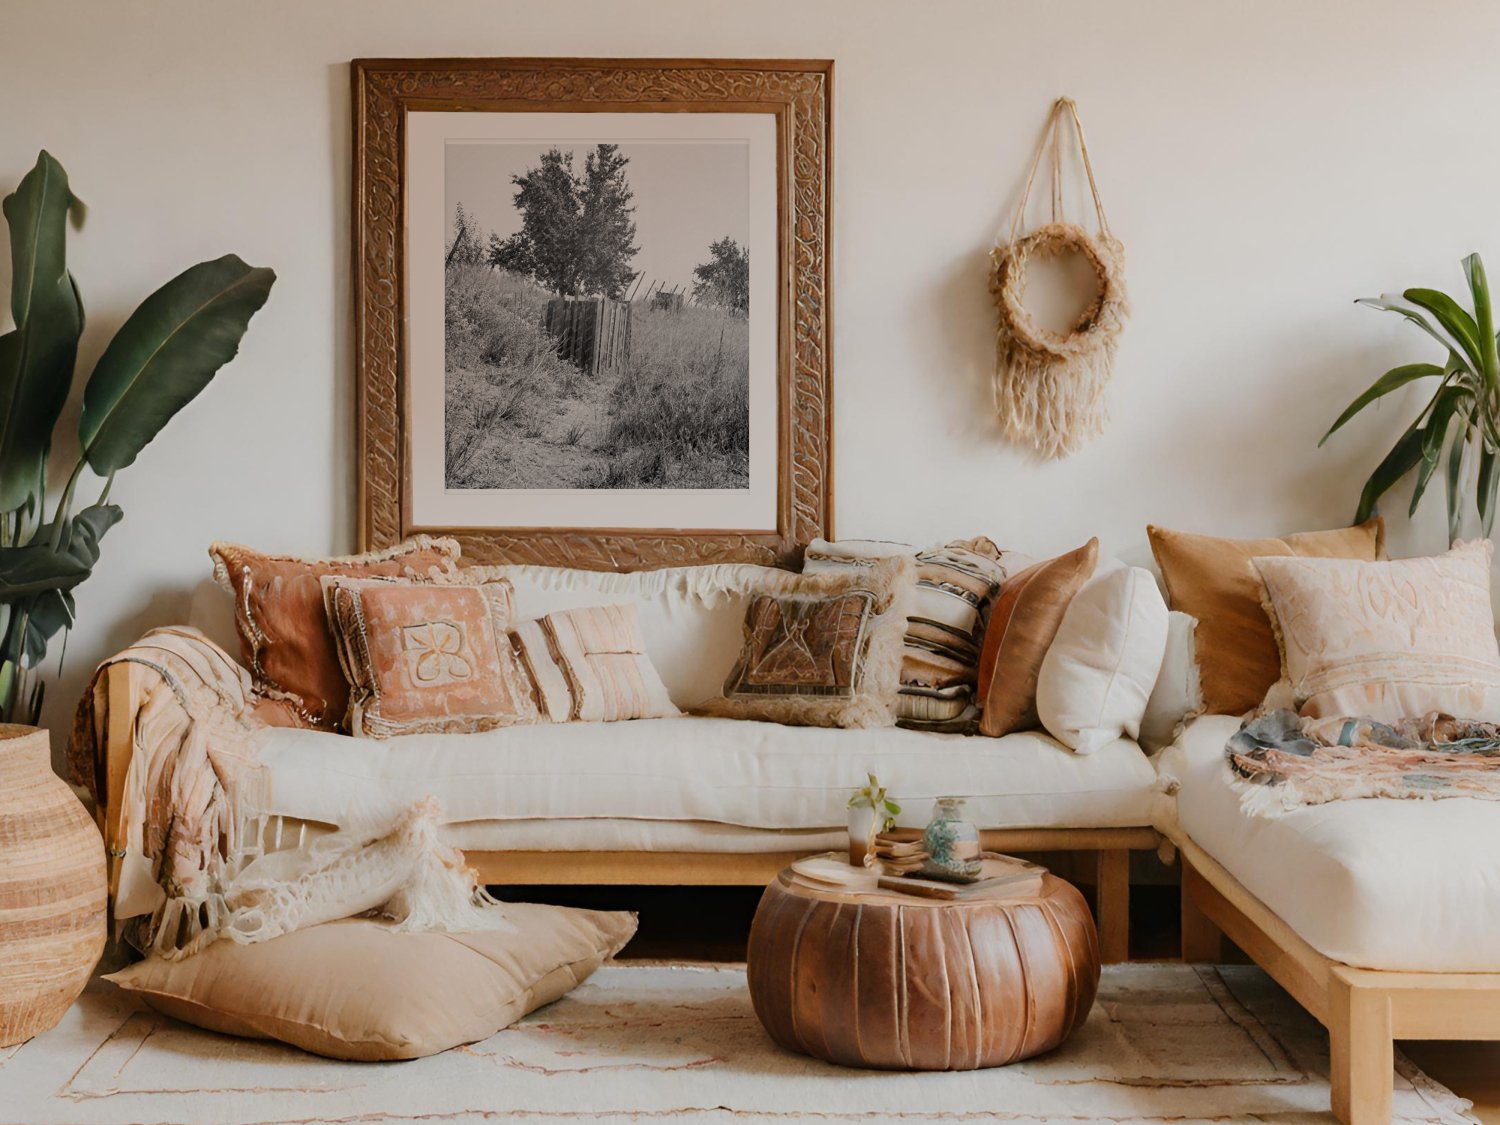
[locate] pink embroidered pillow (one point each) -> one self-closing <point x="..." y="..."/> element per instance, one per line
<point x="1390" y="640"/>
<point x="590" y="665"/>
<point x="427" y="657"/>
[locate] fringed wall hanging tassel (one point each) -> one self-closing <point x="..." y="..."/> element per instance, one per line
<point x="1049" y="386"/>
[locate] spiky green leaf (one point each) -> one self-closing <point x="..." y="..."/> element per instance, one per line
<point x="1455" y="321"/>
<point x="1489" y="461"/>
<point x="1402" y="458"/>
<point x="1392" y="380"/>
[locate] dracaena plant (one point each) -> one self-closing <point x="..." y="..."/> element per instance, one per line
<point x="163" y="355"/>
<point x="1457" y="427"/>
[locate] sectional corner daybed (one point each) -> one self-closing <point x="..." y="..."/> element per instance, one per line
<point x="1378" y="915"/>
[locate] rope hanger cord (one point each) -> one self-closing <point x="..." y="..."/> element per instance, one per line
<point x="1049" y="386"/>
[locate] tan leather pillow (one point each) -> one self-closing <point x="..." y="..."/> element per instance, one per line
<point x="285" y="640"/>
<point x="1023" y="622"/>
<point x="427" y="657"/>
<point x="1214" y="580"/>
<point x="357" y="990"/>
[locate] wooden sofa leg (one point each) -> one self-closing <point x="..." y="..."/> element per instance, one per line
<point x="1112" y="886"/>
<point x="1361" y="1052"/>
<point x="1202" y="941"/>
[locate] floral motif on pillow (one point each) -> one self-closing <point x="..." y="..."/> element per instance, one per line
<point x="427" y="657"/>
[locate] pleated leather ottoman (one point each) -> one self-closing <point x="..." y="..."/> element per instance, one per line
<point x="887" y="980"/>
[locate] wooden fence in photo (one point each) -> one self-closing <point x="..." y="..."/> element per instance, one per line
<point x="592" y="332"/>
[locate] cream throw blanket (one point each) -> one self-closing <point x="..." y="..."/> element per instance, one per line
<point x="191" y="841"/>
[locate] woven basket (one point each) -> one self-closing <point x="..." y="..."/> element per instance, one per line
<point x="52" y="889"/>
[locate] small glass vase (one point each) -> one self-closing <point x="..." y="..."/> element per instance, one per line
<point x="951" y="843"/>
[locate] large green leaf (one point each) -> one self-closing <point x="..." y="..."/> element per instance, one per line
<point x="1402" y="458"/>
<point x="164" y="355"/>
<point x="37" y="356"/>
<point x="35" y="568"/>
<point x="1392" y="380"/>
<point x="1391" y="302"/>
<point x="1454" y="319"/>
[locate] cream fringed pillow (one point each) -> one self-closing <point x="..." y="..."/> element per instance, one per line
<point x="1388" y="640"/>
<point x="590" y="665"/>
<point x="356" y="990"/>
<point x="425" y="657"/>
<point x="823" y="650"/>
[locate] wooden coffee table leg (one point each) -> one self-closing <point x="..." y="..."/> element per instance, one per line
<point x="1112" y="886"/>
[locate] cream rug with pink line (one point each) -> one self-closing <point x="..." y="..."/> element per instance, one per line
<point x="641" y="1042"/>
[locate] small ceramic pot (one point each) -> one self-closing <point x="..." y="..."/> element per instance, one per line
<point x="861" y="832"/>
<point x="951" y="843"/>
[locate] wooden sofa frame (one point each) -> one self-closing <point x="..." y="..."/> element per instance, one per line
<point x="1111" y="846"/>
<point x="1364" y="1010"/>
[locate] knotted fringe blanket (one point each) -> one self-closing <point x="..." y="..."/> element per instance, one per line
<point x="1280" y="761"/>
<point x="192" y="839"/>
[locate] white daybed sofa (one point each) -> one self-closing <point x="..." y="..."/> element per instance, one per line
<point x="1380" y="916"/>
<point x="683" y="800"/>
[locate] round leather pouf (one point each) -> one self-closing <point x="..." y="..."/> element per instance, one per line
<point x="888" y="980"/>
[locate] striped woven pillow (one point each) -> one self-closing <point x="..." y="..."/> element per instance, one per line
<point x="956" y="584"/>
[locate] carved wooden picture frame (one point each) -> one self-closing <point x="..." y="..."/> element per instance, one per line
<point x="389" y="98"/>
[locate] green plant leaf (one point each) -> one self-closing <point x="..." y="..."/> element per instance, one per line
<point x="1402" y="458"/>
<point x="1392" y="380"/>
<point x="1488" y="480"/>
<point x="1455" y="475"/>
<point x="35" y="568"/>
<point x="1390" y="302"/>
<point x="1445" y="404"/>
<point x="166" y="353"/>
<point x="37" y="356"/>
<point x="1454" y="319"/>
<point x="1484" y="317"/>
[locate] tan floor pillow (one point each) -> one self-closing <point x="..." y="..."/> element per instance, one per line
<point x="358" y="990"/>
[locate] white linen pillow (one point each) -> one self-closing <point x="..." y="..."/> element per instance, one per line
<point x="1388" y="640"/>
<point x="1178" y="694"/>
<point x="1100" y="669"/>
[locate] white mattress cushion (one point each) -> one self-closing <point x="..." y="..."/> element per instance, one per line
<point x="731" y="771"/>
<point x="1379" y="884"/>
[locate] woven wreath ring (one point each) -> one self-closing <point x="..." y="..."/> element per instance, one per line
<point x="1100" y="320"/>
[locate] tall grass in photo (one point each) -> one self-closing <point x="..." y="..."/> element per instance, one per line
<point x="519" y="416"/>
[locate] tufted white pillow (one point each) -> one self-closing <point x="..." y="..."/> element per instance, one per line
<point x="1098" y="674"/>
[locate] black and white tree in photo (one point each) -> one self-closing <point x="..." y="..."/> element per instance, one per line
<point x="597" y="306"/>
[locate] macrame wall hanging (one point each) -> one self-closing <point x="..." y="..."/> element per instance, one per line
<point x="1049" y="386"/>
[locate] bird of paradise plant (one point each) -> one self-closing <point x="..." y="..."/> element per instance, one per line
<point x="163" y="355"/>
<point x="1458" y="426"/>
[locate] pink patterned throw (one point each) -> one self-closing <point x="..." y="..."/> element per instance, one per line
<point x="1280" y="761"/>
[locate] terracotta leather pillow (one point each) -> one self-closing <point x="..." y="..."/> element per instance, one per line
<point x="358" y="990"/>
<point x="1023" y="622"/>
<point x="427" y="657"/>
<point x="278" y="612"/>
<point x="1215" y="581"/>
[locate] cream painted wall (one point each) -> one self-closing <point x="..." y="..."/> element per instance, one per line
<point x="1264" y="164"/>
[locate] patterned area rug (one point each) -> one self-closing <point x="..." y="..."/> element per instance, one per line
<point x="646" y="1042"/>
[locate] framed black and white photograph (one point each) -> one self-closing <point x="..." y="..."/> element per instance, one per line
<point x="610" y="303"/>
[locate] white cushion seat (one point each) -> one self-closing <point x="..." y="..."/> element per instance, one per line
<point x="723" y="771"/>
<point x="1404" y="885"/>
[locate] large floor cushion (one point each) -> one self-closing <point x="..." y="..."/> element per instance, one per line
<point x="1379" y="884"/>
<point x="729" y="771"/>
